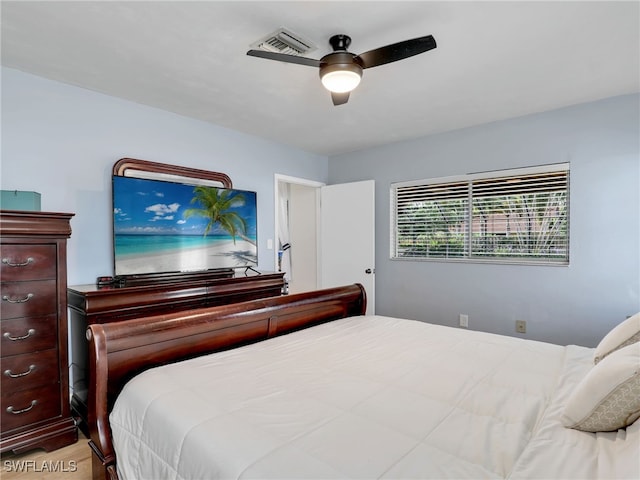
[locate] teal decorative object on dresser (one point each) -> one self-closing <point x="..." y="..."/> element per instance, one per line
<point x="19" y="200"/>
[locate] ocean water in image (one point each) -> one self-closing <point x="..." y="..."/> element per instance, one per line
<point x="127" y="245"/>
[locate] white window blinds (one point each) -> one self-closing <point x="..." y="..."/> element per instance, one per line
<point x="515" y="215"/>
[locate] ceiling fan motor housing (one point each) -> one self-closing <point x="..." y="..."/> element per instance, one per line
<point x="340" y="61"/>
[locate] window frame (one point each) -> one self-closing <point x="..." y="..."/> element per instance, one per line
<point x="468" y="256"/>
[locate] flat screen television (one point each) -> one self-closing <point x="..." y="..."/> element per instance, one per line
<point x="163" y="227"/>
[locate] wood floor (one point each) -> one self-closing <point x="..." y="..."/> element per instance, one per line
<point x="68" y="463"/>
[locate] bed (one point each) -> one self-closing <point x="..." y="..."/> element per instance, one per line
<point x="307" y="386"/>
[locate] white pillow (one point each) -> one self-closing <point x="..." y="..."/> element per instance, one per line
<point x="624" y="334"/>
<point x="608" y="397"/>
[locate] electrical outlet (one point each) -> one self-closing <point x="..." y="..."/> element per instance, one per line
<point x="464" y="321"/>
<point x="521" y="326"/>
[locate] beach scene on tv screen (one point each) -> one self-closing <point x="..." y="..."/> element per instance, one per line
<point x="163" y="227"/>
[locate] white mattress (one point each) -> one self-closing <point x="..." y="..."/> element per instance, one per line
<point x="367" y="397"/>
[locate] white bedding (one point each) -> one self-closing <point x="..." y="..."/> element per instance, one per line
<point x="367" y="397"/>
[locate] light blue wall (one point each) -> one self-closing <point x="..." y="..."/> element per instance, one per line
<point x="62" y="141"/>
<point x="575" y="304"/>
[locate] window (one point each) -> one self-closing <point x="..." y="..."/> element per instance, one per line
<point x="511" y="216"/>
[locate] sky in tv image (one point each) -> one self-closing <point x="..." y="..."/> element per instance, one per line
<point x="151" y="207"/>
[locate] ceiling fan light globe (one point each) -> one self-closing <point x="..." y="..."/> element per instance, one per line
<point x="340" y="81"/>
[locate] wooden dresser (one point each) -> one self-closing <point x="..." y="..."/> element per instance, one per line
<point x="35" y="410"/>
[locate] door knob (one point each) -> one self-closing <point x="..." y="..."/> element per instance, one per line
<point x="368" y="271"/>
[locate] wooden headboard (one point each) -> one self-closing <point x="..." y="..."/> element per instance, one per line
<point x="120" y="350"/>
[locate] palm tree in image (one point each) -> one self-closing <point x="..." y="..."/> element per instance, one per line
<point x="216" y="205"/>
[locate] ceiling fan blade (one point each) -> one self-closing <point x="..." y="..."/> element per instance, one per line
<point x="396" y="51"/>
<point x="283" y="57"/>
<point x="339" y="98"/>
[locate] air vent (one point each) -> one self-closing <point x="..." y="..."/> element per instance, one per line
<point x="284" y="41"/>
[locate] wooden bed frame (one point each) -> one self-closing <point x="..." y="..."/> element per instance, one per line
<point x="120" y="350"/>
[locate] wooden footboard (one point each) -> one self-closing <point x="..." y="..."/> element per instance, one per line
<point x="120" y="350"/>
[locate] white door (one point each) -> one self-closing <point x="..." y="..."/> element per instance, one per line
<point x="347" y="237"/>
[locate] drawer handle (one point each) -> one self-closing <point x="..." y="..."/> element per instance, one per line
<point x="24" y="410"/>
<point x="30" y="332"/>
<point x="8" y="262"/>
<point x="10" y="374"/>
<point x="18" y="300"/>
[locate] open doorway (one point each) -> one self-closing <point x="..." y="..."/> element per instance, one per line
<point x="296" y="246"/>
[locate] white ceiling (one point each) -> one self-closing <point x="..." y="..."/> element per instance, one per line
<point x="494" y="60"/>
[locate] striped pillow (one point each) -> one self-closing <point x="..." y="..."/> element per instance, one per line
<point x="608" y="397"/>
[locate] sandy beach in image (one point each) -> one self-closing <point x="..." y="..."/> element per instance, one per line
<point x="222" y="255"/>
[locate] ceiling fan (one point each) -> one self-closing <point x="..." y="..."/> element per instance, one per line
<point x="341" y="71"/>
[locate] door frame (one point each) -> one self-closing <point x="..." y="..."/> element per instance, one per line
<point x="277" y="179"/>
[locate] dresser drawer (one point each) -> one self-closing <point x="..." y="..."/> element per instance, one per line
<point x="29" y="334"/>
<point x="29" y="406"/>
<point x="27" y="299"/>
<point x="27" y="262"/>
<point x="29" y="370"/>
